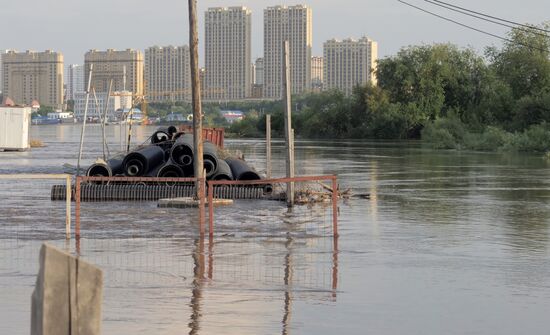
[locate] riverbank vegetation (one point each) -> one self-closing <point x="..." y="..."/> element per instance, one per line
<point x="452" y="98"/>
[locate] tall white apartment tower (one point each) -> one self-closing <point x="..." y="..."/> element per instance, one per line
<point x="228" y="53"/>
<point x="294" y="24"/>
<point x="349" y="63"/>
<point x="74" y="81"/>
<point x="168" y="74"/>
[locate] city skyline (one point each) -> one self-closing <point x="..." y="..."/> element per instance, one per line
<point x="376" y="18"/>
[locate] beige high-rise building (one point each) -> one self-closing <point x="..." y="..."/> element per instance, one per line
<point x="31" y="75"/>
<point x="111" y="64"/>
<point x="295" y="25"/>
<point x="228" y="50"/>
<point x="317" y="73"/>
<point x="349" y="63"/>
<point x="168" y="74"/>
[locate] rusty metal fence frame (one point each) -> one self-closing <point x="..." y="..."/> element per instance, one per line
<point x="214" y="183"/>
<point x="67" y="178"/>
<point x="80" y="179"/>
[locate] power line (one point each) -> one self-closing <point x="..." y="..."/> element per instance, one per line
<point x="469" y="13"/>
<point x="493" y="17"/>
<point x="472" y="28"/>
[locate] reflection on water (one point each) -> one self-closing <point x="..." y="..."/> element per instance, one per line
<point x="447" y="243"/>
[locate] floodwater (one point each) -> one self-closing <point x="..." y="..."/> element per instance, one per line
<point x="448" y="243"/>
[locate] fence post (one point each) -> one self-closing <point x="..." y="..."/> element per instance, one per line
<point x="68" y="209"/>
<point x="334" y="206"/>
<point x="77" y="208"/>
<point x="210" y="209"/>
<point x="268" y="145"/>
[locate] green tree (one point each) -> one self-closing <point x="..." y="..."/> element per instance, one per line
<point x="524" y="62"/>
<point x="432" y="80"/>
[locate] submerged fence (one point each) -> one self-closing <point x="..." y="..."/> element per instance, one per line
<point x="148" y="252"/>
<point x="129" y="190"/>
<point x="30" y="196"/>
<point x="314" y="199"/>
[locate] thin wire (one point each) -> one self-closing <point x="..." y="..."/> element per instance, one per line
<point x="472" y="28"/>
<point x="493" y="17"/>
<point x="480" y="17"/>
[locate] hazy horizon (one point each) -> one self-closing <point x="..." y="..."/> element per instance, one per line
<point x="75" y="27"/>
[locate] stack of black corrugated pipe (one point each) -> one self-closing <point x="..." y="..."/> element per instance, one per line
<point x="170" y="154"/>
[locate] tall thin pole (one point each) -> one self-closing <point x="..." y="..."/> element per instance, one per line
<point x="104" y="122"/>
<point x="288" y="125"/>
<point x="84" y="121"/>
<point x="268" y="145"/>
<point x="197" y="110"/>
<point x="130" y="115"/>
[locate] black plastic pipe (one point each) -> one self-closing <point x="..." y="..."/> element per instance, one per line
<point x="170" y="170"/>
<point x="223" y="172"/>
<point x="113" y="167"/>
<point x="210" y="158"/>
<point x="142" y="161"/>
<point x="182" y="151"/>
<point x="241" y="170"/>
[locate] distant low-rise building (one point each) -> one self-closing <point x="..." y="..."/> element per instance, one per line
<point x="96" y="105"/>
<point x="232" y="116"/>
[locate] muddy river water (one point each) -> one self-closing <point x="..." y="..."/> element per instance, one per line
<point x="448" y="243"/>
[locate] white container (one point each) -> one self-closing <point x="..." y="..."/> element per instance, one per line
<point x="14" y="128"/>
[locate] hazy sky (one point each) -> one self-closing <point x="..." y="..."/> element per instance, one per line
<point x="75" y="26"/>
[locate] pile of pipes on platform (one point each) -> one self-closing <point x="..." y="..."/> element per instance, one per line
<point x="171" y="155"/>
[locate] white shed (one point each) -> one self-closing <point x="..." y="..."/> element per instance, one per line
<point x="14" y="128"/>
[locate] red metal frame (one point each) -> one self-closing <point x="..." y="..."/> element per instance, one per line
<point x="214" y="135"/>
<point x="333" y="178"/>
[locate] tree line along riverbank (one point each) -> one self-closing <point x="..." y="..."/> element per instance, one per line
<point x="450" y="97"/>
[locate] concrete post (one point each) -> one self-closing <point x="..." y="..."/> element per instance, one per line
<point x="67" y="297"/>
<point x="268" y="145"/>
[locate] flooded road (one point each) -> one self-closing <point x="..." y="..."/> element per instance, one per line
<point x="448" y="243"/>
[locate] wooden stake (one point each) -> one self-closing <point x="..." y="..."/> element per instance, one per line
<point x="288" y="125"/>
<point x="197" y="111"/>
<point x="268" y="145"/>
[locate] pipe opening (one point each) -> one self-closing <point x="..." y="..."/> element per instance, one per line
<point x="186" y="160"/>
<point x="209" y="167"/>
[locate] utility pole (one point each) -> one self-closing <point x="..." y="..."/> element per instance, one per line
<point x="197" y="111"/>
<point x="288" y="125"/>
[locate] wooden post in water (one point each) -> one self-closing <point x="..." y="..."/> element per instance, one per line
<point x="288" y="125"/>
<point x="197" y="111"/>
<point x="268" y="145"/>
